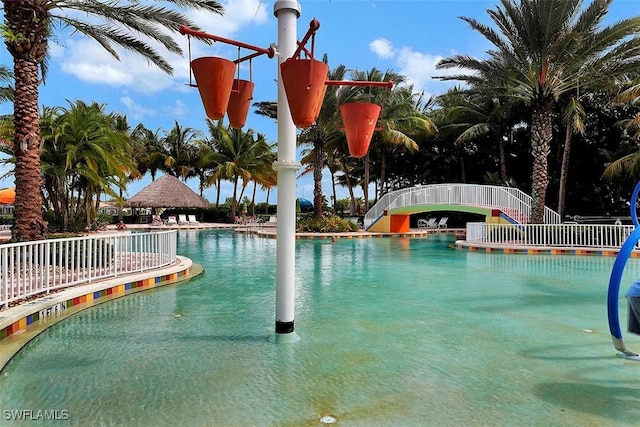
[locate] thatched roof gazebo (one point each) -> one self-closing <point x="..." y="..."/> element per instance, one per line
<point x="167" y="192"/>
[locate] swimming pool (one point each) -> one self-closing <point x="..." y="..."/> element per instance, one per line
<point x="400" y="331"/>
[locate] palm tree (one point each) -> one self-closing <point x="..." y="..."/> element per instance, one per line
<point x="324" y="131"/>
<point x="239" y="156"/>
<point x="148" y="152"/>
<point x="626" y="162"/>
<point x="6" y="92"/>
<point x="474" y="117"/>
<point x="180" y="147"/>
<point x="205" y="162"/>
<point x="574" y="118"/>
<point x="544" y="49"/>
<point x="28" y="27"/>
<point x="400" y="118"/>
<point x="629" y="163"/>
<point x="84" y="153"/>
<point x="401" y="123"/>
<point x="264" y="175"/>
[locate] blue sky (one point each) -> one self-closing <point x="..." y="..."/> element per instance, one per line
<point x="409" y="37"/>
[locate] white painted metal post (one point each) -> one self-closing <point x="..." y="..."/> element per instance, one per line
<point x="287" y="12"/>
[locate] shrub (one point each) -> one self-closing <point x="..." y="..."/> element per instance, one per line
<point x="220" y="214"/>
<point x="326" y="224"/>
<point x="103" y="220"/>
<point x="6" y="219"/>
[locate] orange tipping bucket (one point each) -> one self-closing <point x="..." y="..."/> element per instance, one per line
<point x="304" y="82"/>
<point x="214" y="78"/>
<point x="359" y="120"/>
<point x="239" y="102"/>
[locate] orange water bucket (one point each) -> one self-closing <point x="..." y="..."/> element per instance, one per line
<point x="359" y="120"/>
<point x="239" y="102"/>
<point x="304" y="82"/>
<point x="214" y="78"/>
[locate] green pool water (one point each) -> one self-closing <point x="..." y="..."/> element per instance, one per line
<point x="394" y="332"/>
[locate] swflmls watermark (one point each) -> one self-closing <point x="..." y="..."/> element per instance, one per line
<point x="35" y="415"/>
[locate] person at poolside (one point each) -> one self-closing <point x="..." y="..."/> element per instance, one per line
<point x="121" y="226"/>
<point x="334" y="239"/>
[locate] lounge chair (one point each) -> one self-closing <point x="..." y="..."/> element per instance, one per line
<point x="182" y="219"/>
<point x="443" y="222"/>
<point x="431" y="223"/>
<point x="273" y="220"/>
<point x="156" y="220"/>
<point x="172" y="220"/>
<point x="193" y="220"/>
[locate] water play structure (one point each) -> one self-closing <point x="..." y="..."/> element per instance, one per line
<point x="301" y="87"/>
<point x="615" y="279"/>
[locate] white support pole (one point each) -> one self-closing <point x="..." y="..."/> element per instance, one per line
<point x="287" y="12"/>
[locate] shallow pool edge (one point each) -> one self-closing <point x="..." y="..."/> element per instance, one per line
<point x="22" y="323"/>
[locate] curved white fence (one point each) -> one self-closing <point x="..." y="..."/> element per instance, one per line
<point x="550" y="235"/>
<point x="33" y="268"/>
<point x="512" y="201"/>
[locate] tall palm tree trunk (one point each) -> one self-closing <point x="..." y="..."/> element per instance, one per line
<point x="365" y="184"/>
<point x="28" y="224"/>
<point x="383" y="175"/>
<point x="503" y="159"/>
<point x="27" y="30"/>
<point x="120" y="200"/>
<point x="541" y="134"/>
<point x="266" y="203"/>
<point x="253" y="200"/>
<point x="564" y="169"/>
<point x="235" y="193"/>
<point x="347" y="179"/>
<point x="333" y="189"/>
<point x="318" y="165"/>
<point x="219" y="182"/>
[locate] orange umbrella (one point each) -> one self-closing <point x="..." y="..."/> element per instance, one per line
<point x="7" y="196"/>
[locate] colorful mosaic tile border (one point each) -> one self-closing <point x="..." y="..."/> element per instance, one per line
<point x="83" y="301"/>
<point x="366" y="235"/>
<point x="543" y="251"/>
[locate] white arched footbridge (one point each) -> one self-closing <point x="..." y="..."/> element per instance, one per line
<point x="498" y="204"/>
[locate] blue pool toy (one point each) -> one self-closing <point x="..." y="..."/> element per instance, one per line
<point x="615" y="279"/>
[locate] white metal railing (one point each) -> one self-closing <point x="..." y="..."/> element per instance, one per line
<point x="512" y="201"/>
<point x="32" y="268"/>
<point x="551" y="235"/>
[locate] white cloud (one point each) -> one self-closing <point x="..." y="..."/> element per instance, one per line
<point x="237" y="14"/>
<point x="383" y="48"/>
<point x="177" y="109"/>
<point x="136" y="111"/>
<point x="418" y="67"/>
<point x="89" y="62"/>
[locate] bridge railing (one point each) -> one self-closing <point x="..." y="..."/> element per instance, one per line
<point x="32" y="268"/>
<point x="550" y="235"/>
<point x="512" y="201"/>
